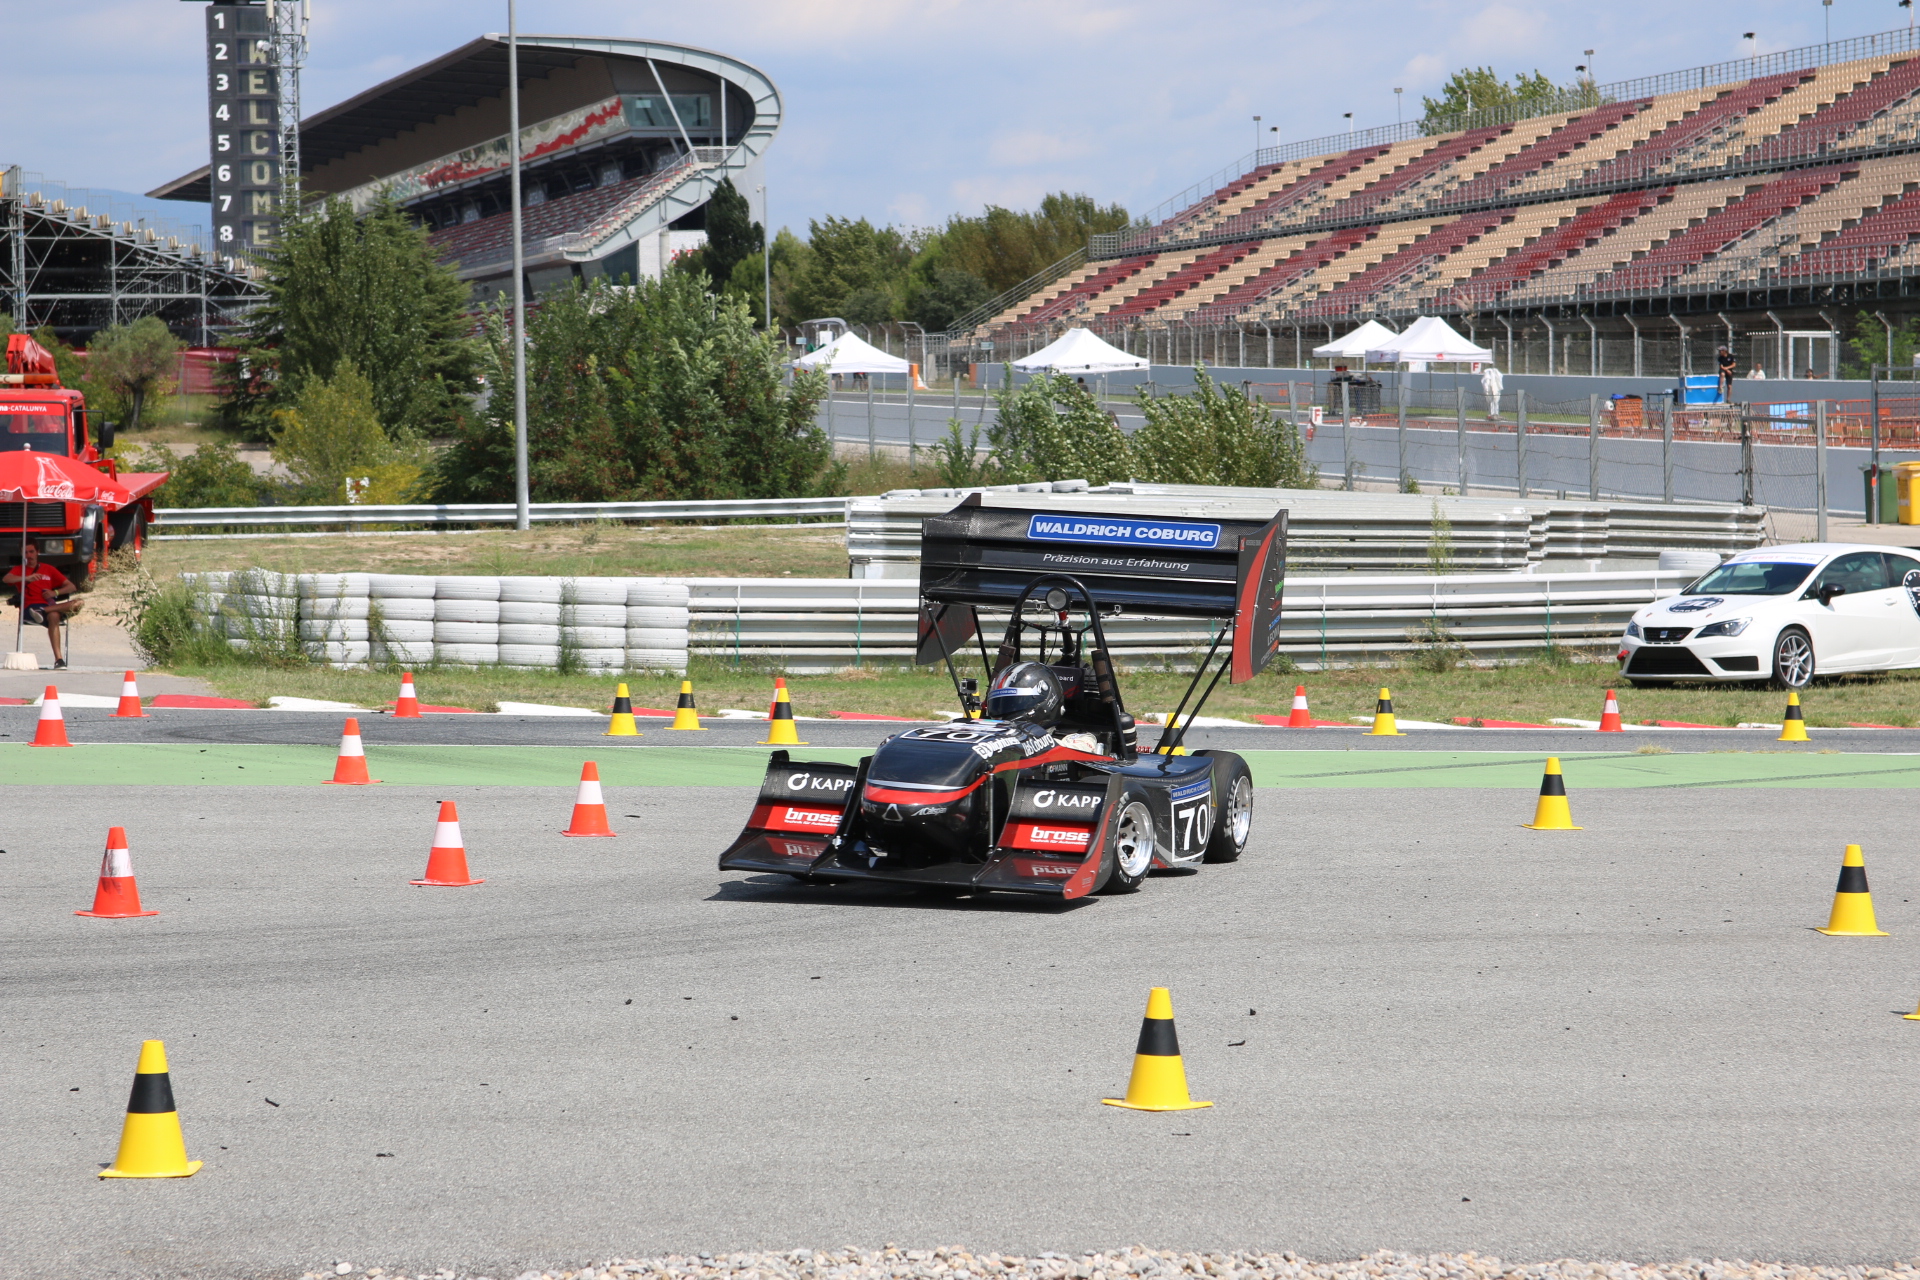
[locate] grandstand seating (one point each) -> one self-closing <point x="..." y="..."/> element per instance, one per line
<point x="492" y="237"/>
<point x="1791" y="173"/>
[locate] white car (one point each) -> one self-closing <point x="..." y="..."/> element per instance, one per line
<point x="1785" y="613"/>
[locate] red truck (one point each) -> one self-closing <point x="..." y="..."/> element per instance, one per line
<point x="40" y="415"/>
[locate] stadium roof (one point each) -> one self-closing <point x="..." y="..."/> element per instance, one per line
<point x="474" y="72"/>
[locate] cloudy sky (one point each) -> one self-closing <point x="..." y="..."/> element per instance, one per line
<point x="906" y="110"/>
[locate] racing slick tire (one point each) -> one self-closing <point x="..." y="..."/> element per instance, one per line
<point x="1793" y="662"/>
<point x="1133" y="842"/>
<point x="1233" y="824"/>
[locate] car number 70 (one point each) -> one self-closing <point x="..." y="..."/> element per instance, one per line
<point x="1193" y="824"/>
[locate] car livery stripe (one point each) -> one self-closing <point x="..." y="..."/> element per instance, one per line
<point x="1053" y="755"/>
<point x="882" y="794"/>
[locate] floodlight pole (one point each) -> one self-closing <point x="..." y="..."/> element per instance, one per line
<point x="522" y="517"/>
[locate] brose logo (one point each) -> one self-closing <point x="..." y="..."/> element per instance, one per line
<point x="1060" y="835"/>
<point x="1050" y="869"/>
<point x="825" y="819"/>
<point x="1065" y="800"/>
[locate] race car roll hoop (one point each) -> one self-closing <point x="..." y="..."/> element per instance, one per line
<point x="1040" y="788"/>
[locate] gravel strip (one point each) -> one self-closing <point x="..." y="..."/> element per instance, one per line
<point x="894" y="1263"/>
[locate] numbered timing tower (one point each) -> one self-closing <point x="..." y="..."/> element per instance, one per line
<point x="254" y="51"/>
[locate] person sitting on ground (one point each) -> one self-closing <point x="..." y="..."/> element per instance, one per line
<point x="1491" y="382"/>
<point x="40" y="588"/>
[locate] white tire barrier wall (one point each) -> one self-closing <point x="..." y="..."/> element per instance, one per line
<point x="353" y="619"/>
<point x="826" y="624"/>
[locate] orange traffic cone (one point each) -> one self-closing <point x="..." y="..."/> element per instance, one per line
<point x="117" y="896"/>
<point x="129" y="708"/>
<point x="350" y="769"/>
<point x="1300" y="718"/>
<point x="52" y="729"/>
<point x="1610" y="715"/>
<point x="447" y="859"/>
<point x="407" y="704"/>
<point x="589" y="808"/>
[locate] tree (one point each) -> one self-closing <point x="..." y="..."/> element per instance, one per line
<point x="1003" y="247"/>
<point x="655" y="392"/>
<point x="1051" y="428"/>
<point x="748" y="284"/>
<point x="331" y="433"/>
<point x="951" y="295"/>
<point x="1218" y="435"/>
<point x="855" y="271"/>
<point x="133" y="360"/>
<point x="732" y="234"/>
<point x="1868" y="345"/>
<point x="369" y="290"/>
<point x="1477" y="91"/>
<point x="213" y="475"/>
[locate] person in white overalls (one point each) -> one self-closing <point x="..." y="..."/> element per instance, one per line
<point x="1490" y="382"/>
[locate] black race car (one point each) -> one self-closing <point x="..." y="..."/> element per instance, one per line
<point x="1040" y="787"/>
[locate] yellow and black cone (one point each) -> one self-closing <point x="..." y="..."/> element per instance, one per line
<point x="1159" y="1080"/>
<point x="1551" y="813"/>
<point x="1795" y="728"/>
<point x="684" y="714"/>
<point x="151" y="1144"/>
<point x="621" y="726"/>
<point x="1852" y="905"/>
<point x="1384" y="725"/>
<point x="1912" y="1017"/>
<point x="780" y="729"/>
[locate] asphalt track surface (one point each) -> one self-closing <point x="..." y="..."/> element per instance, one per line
<point x="1625" y="1041"/>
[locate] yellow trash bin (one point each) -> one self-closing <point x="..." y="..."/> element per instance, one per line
<point x="1906" y="484"/>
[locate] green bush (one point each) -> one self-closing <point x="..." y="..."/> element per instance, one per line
<point x="1219" y="435"/>
<point x="1051" y="428"/>
<point x="214" y="475"/>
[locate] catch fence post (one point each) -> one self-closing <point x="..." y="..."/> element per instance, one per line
<point x="1666" y="451"/>
<point x="1873" y="457"/>
<point x="1401" y="384"/>
<point x="1520" y="440"/>
<point x="1820" y="471"/>
<point x="1593" y="446"/>
<point x="912" y="443"/>
<point x="872" y="451"/>
<point x="1346" y="436"/>
<point x="1746" y="458"/>
<point x="1460" y="430"/>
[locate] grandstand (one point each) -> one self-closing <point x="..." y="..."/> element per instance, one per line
<point x="622" y="144"/>
<point x="1623" y="228"/>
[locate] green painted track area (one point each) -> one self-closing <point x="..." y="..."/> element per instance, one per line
<point x="177" y="764"/>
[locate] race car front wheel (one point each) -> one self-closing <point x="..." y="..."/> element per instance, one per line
<point x="1133" y="844"/>
<point x="1234" y="823"/>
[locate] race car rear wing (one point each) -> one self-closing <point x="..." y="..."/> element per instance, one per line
<point x="1157" y="565"/>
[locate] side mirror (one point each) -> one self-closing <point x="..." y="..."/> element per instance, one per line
<point x="105" y="433"/>
<point x="1828" y="590"/>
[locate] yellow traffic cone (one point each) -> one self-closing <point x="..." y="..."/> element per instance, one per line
<point x="1852" y="905"/>
<point x="1795" y="728"/>
<point x="1383" y="721"/>
<point x="1551" y="813"/>
<point x="621" y="726"/>
<point x="780" y="728"/>
<point x="684" y="715"/>
<point x="1912" y="1017"/>
<point x="151" y="1144"/>
<point x="1159" y="1080"/>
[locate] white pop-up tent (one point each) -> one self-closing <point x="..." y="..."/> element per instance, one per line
<point x="1427" y="340"/>
<point x="1079" y="351"/>
<point x="1355" y="345"/>
<point x="848" y="354"/>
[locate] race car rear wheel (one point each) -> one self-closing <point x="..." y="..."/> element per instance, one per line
<point x="1234" y="823"/>
<point x="1133" y="843"/>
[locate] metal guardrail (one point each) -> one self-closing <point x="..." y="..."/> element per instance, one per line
<point x="825" y="624"/>
<point x="450" y="514"/>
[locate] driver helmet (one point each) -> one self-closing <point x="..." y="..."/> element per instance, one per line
<point x="1026" y="691"/>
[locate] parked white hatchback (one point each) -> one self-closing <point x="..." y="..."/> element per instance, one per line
<point x="1785" y="613"/>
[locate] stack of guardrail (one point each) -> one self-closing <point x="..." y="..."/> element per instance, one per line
<point x="350" y="619"/>
<point x="825" y="624"/>
<point x="1334" y="532"/>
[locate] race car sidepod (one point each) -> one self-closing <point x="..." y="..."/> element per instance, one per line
<point x="816" y="822"/>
